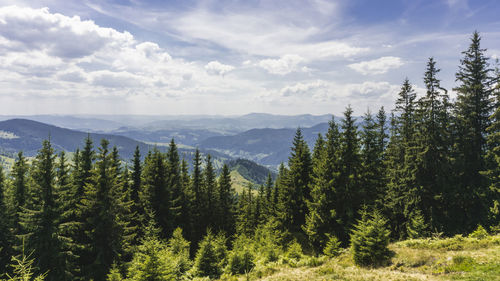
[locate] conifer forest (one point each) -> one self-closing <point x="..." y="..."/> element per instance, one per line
<point x="429" y="167"/>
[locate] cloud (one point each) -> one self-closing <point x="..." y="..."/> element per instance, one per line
<point x="377" y="66"/>
<point x="283" y="65"/>
<point x="217" y="68"/>
<point x="59" y="35"/>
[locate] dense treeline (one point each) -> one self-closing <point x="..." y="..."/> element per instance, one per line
<point x="433" y="167"/>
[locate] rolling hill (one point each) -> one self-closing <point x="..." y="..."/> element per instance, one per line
<point x="267" y="146"/>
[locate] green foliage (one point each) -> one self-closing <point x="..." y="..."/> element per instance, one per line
<point x="241" y="257"/>
<point x="294" y="251"/>
<point x="416" y="227"/>
<point x="370" y="240"/>
<point x="210" y="258"/>
<point x="23" y="269"/>
<point x="332" y="247"/>
<point x="479" y="233"/>
<point x="152" y="261"/>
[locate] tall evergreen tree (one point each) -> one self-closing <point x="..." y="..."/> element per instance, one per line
<point x="292" y="200"/>
<point x="348" y="187"/>
<point x="398" y="157"/>
<point x="174" y="185"/>
<point x="40" y="221"/>
<point x="102" y="228"/>
<point x="210" y="204"/>
<point x="6" y="238"/>
<point x="432" y="166"/>
<point x="136" y="207"/>
<point x="20" y="188"/>
<point x="321" y="220"/>
<point x="493" y="156"/>
<point x="198" y="199"/>
<point x="227" y="202"/>
<point x="472" y="111"/>
<point x="156" y="197"/>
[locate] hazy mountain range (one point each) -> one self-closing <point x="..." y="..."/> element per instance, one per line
<point x="263" y="138"/>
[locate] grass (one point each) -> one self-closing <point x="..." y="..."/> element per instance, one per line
<point x="455" y="258"/>
<point x="239" y="183"/>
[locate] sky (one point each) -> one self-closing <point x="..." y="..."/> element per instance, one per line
<point x="163" y="57"/>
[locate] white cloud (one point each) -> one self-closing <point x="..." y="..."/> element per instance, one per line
<point x="217" y="68"/>
<point x="283" y="65"/>
<point x="377" y="66"/>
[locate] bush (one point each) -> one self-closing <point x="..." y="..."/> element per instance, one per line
<point x="241" y="259"/>
<point x="370" y="240"/>
<point x="332" y="247"/>
<point x="210" y="257"/>
<point x="294" y="251"/>
<point x="479" y="233"/>
<point x="416" y="227"/>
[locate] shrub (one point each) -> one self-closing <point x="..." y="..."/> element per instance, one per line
<point x="416" y="227"/>
<point x="294" y="251"/>
<point x="241" y="259"/>
<point x="370" y="240"/>
<point x="210" y="257"/>
<point x="479" y="233"/>
<point x="332" y="247"/>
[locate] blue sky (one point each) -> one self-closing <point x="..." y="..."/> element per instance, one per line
<point x="228" y="57"/>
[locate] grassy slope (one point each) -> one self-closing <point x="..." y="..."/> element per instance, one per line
<point x="239" y="183"/>
<point x="425" y="259"/>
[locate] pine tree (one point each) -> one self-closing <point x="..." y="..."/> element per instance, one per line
<point x="321" y="219"/>
<point x="348" y="189"/>
<point x="102" y="228"/>
<point x="67" y="222"/>
<point x="210" y="206"/>
<point x="19" y="183"/>
<point x="6" y="238"/>
<point x="398" y="159"/>
<point x="156" y="197"/>
<point x="371" y="174"/>
<point x="472" y="110"/>
<point x="136" y="207"/>
<point x="187" y="200"/>
<point x="292" y="199"/>
<point x="174" y="185"/>
<point x="493" y="156"/>
<point x="432" y="145"/>
<point x="198" y="199"/>
<point x="246" y="222"/>
<point x="227" y="202"/>
<point x="40" y="220"/>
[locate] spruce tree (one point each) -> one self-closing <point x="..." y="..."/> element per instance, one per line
<point x="227" y="202"/>
<point x="292" y="199"/>
<point x="102" y="228"/>
<point x="398" y="159"/>
<point x="6" y="238"/>
<point x="174" y="186"/>
<point x="348" y="189"/>
<point x="156" y="197"/>
<point x="472" y="111"/>
<point x="136" y="207"/>
<point x="493" y="156"/>
<point x="321" y="219"/>
<point x="210" y="204"/>
<point x="40" y="221"/>
<point x="198" y="199"/>
<point x="432" y="145"/>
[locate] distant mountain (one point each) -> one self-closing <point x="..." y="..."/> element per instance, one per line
<point x="237" y="124"/>
<point x="80" y="123"/>
<point x="267" y="147"/>
<point x="27" y="135"/>
<point x="189" y="137"/>
<point x="250" y="170"/>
